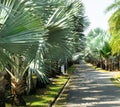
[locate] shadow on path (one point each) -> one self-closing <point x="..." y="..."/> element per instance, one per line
<point x="91" y="88"/>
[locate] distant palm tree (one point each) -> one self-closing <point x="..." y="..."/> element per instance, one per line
<point x="106" y="53"/>
<point x="97" y="45"/>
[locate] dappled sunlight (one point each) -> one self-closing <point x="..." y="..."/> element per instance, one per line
<point x="89" y="98"/>
<point x="91" y="88"/>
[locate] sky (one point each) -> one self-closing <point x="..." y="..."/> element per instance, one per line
<point x="95" y="10"/>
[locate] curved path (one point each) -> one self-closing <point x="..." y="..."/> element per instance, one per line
<point x="91" y="88"/>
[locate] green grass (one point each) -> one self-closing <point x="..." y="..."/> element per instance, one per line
<point x="62" y="100"/>
<point x="44" y="97"/>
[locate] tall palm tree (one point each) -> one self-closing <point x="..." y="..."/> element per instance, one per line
<point x="114" y="22"/>
<point x="27" y="34"/>
<point x="21" y="32"/>
<point x="61" y="33"/>
<point x="80" y="24"/>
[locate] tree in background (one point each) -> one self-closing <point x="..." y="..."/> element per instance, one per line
<point x="98" y="49"/>
<point x="65" y="23"/>
<point x="114" y="22"/>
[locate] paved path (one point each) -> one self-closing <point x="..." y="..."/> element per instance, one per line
<point x="91" y="88"/>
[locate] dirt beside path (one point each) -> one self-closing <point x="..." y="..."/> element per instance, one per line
<point x="91" y="88"/>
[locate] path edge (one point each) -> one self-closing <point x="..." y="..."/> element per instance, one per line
<point x="60" y="92"/>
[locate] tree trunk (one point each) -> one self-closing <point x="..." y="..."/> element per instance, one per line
<point x="2" y="90"/>
<point x="2" y="99"/>
<point x="18" y="88"/>
<point x="107" y="64"/>
<point x="119" y="63"/>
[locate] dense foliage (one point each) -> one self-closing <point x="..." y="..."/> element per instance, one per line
<point x="37" y="37"/>
<point x="103" y="49"/>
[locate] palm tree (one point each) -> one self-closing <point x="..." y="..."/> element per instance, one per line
<point x="80" y="24"/>
<point x="28" y="36"/>
<point x="97" y="46"/>
<point x="94" y="43"/>
<point x="21" y="33"/>
<point x="114" y="22"/>
<point x="3" y="83"/>
<point x="106" y="54"/>
<point x="62" y="33"/>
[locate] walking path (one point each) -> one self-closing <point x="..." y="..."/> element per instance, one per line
<point x="91" y="88"/>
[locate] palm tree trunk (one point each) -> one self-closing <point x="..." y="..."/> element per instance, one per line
<point x="18" y="88"/>
<point x="2" y="90"/>
<point x="107" y="64"/>
<point x="119" y="63"/>
<point x="2" y="99"/>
